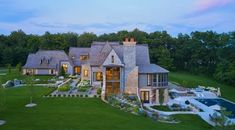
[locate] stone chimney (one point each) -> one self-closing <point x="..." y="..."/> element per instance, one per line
<point x="129" y="42"/>
<point x="130" y="69"/>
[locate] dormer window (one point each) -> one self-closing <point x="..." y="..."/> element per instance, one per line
<point x="112" y="59"/>
<point x="84" y="57"/>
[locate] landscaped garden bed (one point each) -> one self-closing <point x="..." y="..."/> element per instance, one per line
<point x="84" y="86"/>
<point x="161" y="108"/>
<point x="64" y="88"/>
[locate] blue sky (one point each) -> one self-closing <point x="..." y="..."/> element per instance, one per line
<point x="105" y="16"/>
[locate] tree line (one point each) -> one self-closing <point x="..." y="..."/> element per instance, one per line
<point x="207" y="53"/>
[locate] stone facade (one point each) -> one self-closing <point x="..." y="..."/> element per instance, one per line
<point x="130" y="70"/>
<point x="131" y="83"/>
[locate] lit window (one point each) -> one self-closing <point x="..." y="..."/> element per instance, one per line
<point x="97" y="76"/>
<point x="112" y="59"/>
<point x="85" y="73"/>
<point x="77" y="70"/>
<point x="83" y="57"/>
<point x="65" y="67"/>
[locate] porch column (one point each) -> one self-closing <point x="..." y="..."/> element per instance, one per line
<point x="104" y="84"/>
<point x="157" y="79"/>
<point x="166" y="96"/>
<point x="150" y="97"/>
<point x="157" y="97"/>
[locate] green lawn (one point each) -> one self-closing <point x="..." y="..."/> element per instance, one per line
<point x="16" y="75"/>
<point x="190" y="80"/>
<point x="80" y="114"/>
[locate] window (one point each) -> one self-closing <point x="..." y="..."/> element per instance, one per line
<point x="52" y="71"/>
<point x="149" y="79"/>
<point x="83" y="57"/>
<point x="85" y="73"/>
<point x="65" y="67"/>
<point x="77" y="70"/>
<point x="155" y="79"/>
<point x="97" y="76"/>
<point x="112" y="59"/>
<point x="113" y="73"/>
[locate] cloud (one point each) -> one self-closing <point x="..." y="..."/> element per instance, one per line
<point x="205" y="5"/>
<point x="202" y="7"/>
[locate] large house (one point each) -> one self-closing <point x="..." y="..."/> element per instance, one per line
<point x="117" y="68"/>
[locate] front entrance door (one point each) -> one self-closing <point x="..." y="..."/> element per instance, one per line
<point x="145" y="96"/>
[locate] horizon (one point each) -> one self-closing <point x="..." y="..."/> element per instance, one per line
<point x="102" y="16"/>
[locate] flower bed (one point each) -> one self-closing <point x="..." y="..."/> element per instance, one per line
<point x="126" y="103"/>
<point x="84" y="86"/>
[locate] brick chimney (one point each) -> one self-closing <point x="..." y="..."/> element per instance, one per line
<point x="129" y="42"/>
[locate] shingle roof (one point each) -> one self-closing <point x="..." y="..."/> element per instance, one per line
<point x="46" y="59"/>
<point x="75" y="52"/>
<point x="151" y="68"/>
<point x="100" y="50"/>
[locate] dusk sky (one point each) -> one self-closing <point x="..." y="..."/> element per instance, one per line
<point x="105" y="16"/>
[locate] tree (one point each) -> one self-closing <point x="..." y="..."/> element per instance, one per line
<point x="19" y="67"/>
<point x="164" y="58"/>
<point x="30" y="87"/>
<point x="62" y="71"/>
<point x="85" y="39"/>
<point x="9" y="68"/>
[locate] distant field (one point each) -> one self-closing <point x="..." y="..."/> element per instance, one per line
<point x="3" y="70"/>
<point x="190" y="80"/>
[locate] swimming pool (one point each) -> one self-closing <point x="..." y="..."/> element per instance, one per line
<point x="228" y="105"/>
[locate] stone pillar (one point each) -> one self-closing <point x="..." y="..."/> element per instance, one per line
<point x="157" y="97"/>
<point x="166" y="96"/>
<point x="104" y="84"/>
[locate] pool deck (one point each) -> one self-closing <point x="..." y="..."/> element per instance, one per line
<point x="205" y="114"/>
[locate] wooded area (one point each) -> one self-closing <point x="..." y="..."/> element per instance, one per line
<point x="207" y="53"/>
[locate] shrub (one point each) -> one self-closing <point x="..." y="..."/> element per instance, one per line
<point x="84" y="88"/>
<point x="62" y="72"/>
<point x="64" y="88"/>
<point x="98" y="92"/>
<point x="86" y="95"/>
<point x="135" y="109"/>
<point x="81" y="95"/>
<point x="187" y="102"/>
<point x="161" y="96"/>
<point x="143" y="113"/>
<point x="95" y="96"/>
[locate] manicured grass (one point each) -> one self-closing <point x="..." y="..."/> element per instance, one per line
<point x="190" y="80"/>
<point x="80" y="114"/>
<point x="161" y="108"/>
<point x="16" y="75"/>
<point x="189" y="122"/>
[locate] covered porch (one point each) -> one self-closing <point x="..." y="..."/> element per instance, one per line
<point x="154" y="96"/>
<point x="112" y="80"/>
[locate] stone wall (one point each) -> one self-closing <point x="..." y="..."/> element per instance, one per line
<point x="131" y="83"/>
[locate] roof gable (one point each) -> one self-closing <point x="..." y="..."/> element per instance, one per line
<point x="112" y="56"/>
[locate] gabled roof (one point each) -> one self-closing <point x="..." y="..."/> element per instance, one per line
<point x="100" y="50"/>
<point x="46" y="59"/>
<point x="76" y="52"/>
<point x="151" y="68"/>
